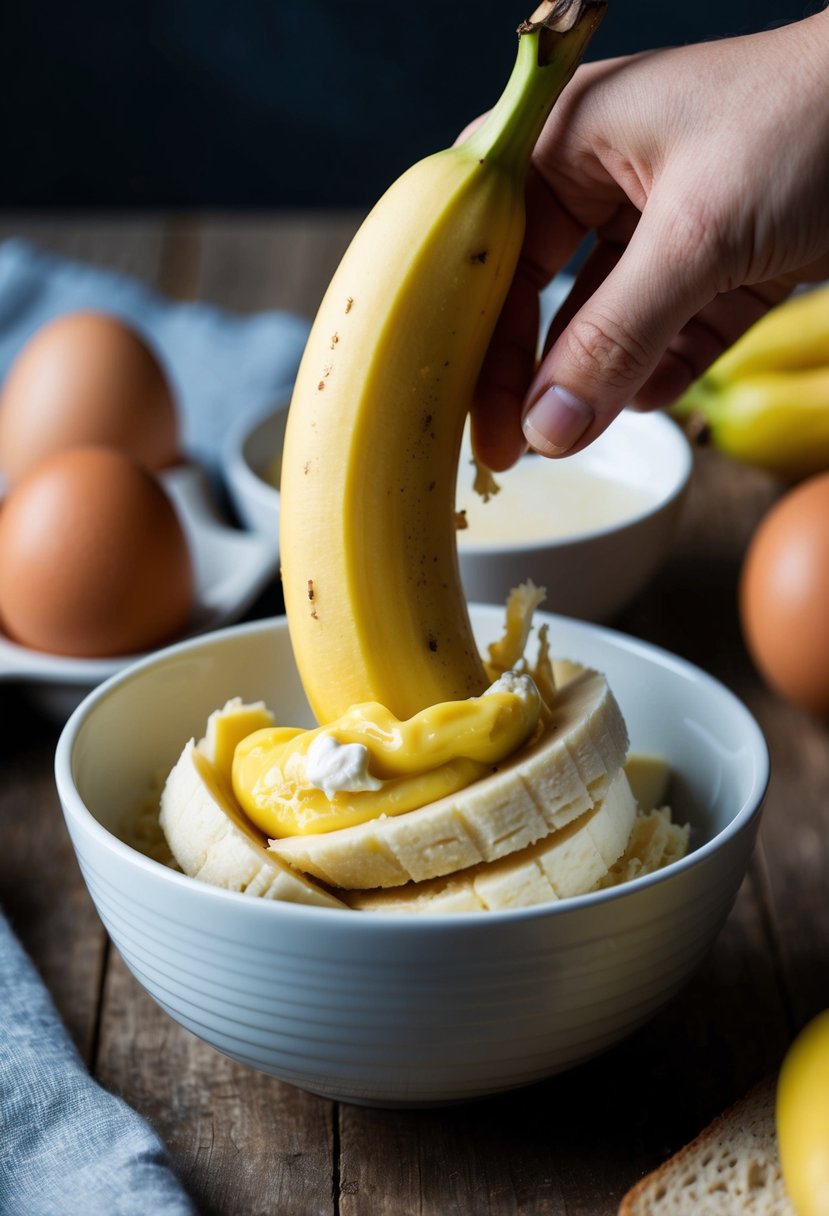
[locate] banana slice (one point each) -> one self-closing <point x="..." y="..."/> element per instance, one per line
<point x="649" y="777"/>
<point x="655" y="841"/>
<point x="543" y="788"/>
<point x="211" y="840"/>
<point x="568" y="862"/>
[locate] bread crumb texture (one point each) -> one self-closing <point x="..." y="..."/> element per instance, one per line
<point x="732" y="1168"/>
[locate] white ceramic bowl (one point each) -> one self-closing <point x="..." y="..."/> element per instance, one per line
<point x="589" y="570"/>
<point x="246" y="458"/>
<point x="391" y="1009"/>
<point x="592" y="529"/>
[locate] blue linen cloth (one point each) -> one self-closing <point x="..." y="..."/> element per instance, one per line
<point x="221" y="365"/>
<point x="67" y="1146"/>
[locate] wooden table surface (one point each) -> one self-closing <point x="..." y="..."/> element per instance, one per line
<point x="246" y="1143"/>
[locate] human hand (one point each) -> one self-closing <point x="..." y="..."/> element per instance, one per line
<point x="704" y="174"/>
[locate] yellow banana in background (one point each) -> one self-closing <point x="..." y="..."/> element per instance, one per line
<point x="802" y="1117"/>
<point x="765" y="401"/>
<point x="369" y="562"/>
<point x="792" y="337"/>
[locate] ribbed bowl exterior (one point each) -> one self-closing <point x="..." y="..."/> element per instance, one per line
<point x="394" y="1009"/>
<point x="389" y="1011"/>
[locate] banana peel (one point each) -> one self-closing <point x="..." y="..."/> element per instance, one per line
<point x="369" y="553"/>
<point x="802" y="1118"/>
<point x="765" y="401"/>
<point x="792" y="337"/>
<point x="777" y="421"/>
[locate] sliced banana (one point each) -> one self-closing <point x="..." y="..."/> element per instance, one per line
<point x="539" y="791"/>
<point x="655" y="841"/>
<point x="568" y="862"/>
<point x="649" y="777"/>
<point x="211" y="840"/>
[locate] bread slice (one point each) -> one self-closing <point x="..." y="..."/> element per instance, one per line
<point x="732" y="1168"/>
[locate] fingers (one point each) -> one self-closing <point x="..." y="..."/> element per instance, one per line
<point x="615" y="341"/>
<point x="508" y="368"/>
<point x="716" y="327"/>
<point x="697" y="345"/>
<point x="551" y="237"/>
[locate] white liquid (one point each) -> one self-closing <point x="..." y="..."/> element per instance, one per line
<point x="542" y="499"/>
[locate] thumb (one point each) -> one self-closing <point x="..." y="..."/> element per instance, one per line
<point x="613" y="343"/>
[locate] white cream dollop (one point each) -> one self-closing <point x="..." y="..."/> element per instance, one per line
<point x="335" y="767"/>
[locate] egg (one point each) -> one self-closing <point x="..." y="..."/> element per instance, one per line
<point x="86" y="378"/>
<point x="784" y="595"/>
<point x="94" y="561"/>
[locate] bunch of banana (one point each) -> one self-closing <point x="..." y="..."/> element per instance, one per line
<point x="377" y="615"/>
<point x="765" y="401"/>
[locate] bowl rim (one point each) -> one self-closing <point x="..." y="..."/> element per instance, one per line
<point x="237" y="469"/>
<point x="239" y="472"/>
<point x="74" y="808"/>
<point x="682" y="469"/>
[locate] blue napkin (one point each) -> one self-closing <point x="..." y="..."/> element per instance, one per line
<point x="221" y="365"/>
<point x="67" y="1147"/>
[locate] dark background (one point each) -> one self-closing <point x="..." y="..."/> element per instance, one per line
<point x="272" y="103"/>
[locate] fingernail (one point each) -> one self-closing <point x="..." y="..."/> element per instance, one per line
<point x="556" y="421"/>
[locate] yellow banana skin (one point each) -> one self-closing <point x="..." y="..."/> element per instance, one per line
<point x="777" y="421"/>
<point x="802" y="1118"/>
<point x="369" y="562"/>
<point x="765" y="401"/>
<point x="794" y="336"/>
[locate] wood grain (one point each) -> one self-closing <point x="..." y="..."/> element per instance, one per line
<point x="247" y="1143"/>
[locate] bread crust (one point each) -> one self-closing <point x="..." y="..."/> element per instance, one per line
<point x="732" y="1168"/>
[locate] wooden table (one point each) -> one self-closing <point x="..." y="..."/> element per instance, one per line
<point x="246" y="1143"/>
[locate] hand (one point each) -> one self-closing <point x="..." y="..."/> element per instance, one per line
<point x="703" y="173"/>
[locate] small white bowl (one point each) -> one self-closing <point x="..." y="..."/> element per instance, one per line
<point x="402" y="1010"/>
<point x="639" y="469"/>
<point x="591" y="529"/>
<point x="247" y="459"/>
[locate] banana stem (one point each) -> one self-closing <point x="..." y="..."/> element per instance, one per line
<point x="551" y="45"/>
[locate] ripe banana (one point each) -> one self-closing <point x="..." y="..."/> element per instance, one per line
<point x="369" y="563"/>
<point x="374" y="601"/>
<point x="778" y="421"/>
<point x="792" y="337"/>
<point x="543" y="788"/>
<point x="765" y="401"/>
<point x="802" y="1118"/>
<point x="213" y="841"/>
<point x="570" y="861"/>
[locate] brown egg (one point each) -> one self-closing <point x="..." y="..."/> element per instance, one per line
<point x="784" y="595"/>
<point x="93" y="558"/>
<point x="86" y="378"/>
